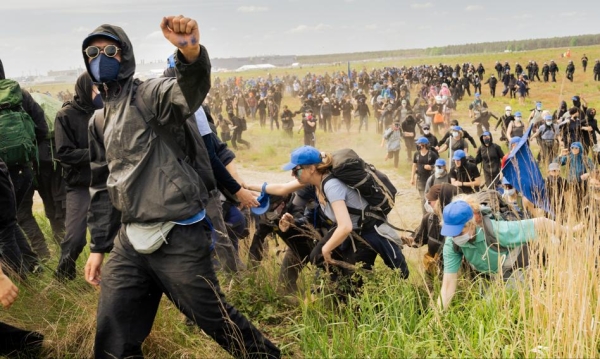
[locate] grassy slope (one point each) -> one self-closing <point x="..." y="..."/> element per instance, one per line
<point x="556" y="316"/>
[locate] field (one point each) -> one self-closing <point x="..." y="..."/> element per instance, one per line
<point x="553" y="313"/>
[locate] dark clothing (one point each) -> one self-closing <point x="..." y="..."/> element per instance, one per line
<point x="22" y="180"/>
<point x="19" y="343"/>
<point x="133" y="284"/>
<point x="465" y="136"/>
<point x="465" y="173"/>
<point x="149" y="182"/>
<point x="490" y="156"/>
<point x="9" y="249"/>
<point x="78" y="202"/>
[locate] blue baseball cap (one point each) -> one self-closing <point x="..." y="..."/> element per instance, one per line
<point x="193" y="219"/>
<point x="440" y="162"/>
<point x="305" y="155"/>
<point x="515" y="140"/>
<point x="548" y="117"/>
<point x="456" y="128"/>
<point x="518" y="114"/>
<point x="456" y="215"/>
<point x="477" y="94"/>
<point x="93" y="35"/>
<point x="486" y="133"/>
<point x="264" y="201"/>
<point x="171" y="61"/>
<point x="459" y="155"/>
<point x="422" y="141"/>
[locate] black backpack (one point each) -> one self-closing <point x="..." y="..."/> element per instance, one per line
<point x="371" y="184"/>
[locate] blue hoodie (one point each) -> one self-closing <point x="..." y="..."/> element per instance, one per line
<point x="578" y="164"/>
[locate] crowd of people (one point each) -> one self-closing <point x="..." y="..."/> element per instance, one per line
<point x="117" y="139"/>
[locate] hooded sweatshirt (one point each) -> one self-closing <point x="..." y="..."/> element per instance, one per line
<point x="72" y="136"/>
<point x="147" y="181"/>
<point x="490" y="156"/>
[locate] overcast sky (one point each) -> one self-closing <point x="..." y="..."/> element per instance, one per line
<point x="42" y="35"/>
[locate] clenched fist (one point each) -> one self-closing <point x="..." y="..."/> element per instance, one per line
<point x="184" y="34"/>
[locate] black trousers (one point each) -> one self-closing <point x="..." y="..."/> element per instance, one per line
<point x="22" y="179"/>
<point x="78" y="202"/>
<point x="296" y="257"/>
<point x="237" y="137"/>
<point x="30" y="226"/>
<point x="52" y="189"/>
<point x="19" y="342"/>
<point x="133" y="284"/>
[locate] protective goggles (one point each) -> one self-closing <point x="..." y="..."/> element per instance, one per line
<point x="94" y="51"/>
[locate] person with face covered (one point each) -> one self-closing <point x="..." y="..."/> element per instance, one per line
<point x="571" y="127"/>
<point x="516" y="128"/>
<point x="455" y="143"/>
<point x="553" y="68"/>
<point x="590" y="129"/>
<point x="464" y="175"/>
<point x="548" y="134"/>
<point x="440" y="175"/>
<point x="156" y="180"/>
<point x="489" y="154"/>
<point x="72" y="152"/>
<point x="570" y="70"/>
<point x="423" y="166"/>
<point x="504" y="121"/>
<point x="466" y="226"/>
<point x="579" y="168"/>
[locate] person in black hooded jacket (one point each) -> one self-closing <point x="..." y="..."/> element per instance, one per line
<point x="164" y="242"/>
<point x="72" y="152"/>
<point x="489" y="154"/>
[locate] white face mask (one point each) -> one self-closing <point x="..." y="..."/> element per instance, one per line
<point x="507" y="113"/>
<point x="426" y="132"/>
<point x="463" y="239"/>
<point x="439" y="171"/>
<point x="455" y="134"/>
<point x="518" y="119"/>
<point x="511" y="192"/>
<point x="549" y="123"/>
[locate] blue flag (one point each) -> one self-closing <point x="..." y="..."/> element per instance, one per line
<point x="521" y="170"/>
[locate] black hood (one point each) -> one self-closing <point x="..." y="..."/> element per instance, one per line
<point x="491" y="138"/>
<point x="83" y="93"/>
<point x="2" y="76"/>
<point x="563" y="105"/>
<point x="113" y="32"/>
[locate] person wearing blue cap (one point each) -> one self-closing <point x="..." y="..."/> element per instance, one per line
<point x="547" y="136"/>
<point x="489" y="154"/>
<point x="464" y="174"/>
<point x="343" y="206"/>
<point x="423" y="166"/>
<point x="516" y="128"/>
<point x="479" y="112"/>
<point x="490" y="247"/>
<point x="155" y="179"/>
<point x="536" y="117"/>
<point x="455" y="142"/>
<point x="440" y="175"/>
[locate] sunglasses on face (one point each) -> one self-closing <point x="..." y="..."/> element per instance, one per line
<point x="94" y="51"/>
<point x="296" y="171"/>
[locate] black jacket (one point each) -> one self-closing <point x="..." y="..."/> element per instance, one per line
<point x="71" y="134"/>
<point x="490" y="156"/>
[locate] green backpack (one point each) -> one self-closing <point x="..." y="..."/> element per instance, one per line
<point x="17" y="130"/>
<point x="51" y="106"/>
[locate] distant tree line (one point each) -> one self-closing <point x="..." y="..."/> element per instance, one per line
<point x="483" y="47"/>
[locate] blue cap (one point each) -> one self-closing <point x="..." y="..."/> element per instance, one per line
<point x="459" y="155"/>
<point x="422" y="141"/>
<point x="440" y="162"/>
<point x="486" y="133"/>
<point x="456" y="128"/>
<point x="518" y="114"/>
<point x="477" y="94"/>
<point x="305" y="155"/>
<point x="264" y="201"/>
<point x="575" y="98"/>
<point x="515" y="140"/>
<point x="89" y="38"/>
<point x="548" y="117"/>
<point x="194" y="219"/>
<point x="456" y="215"/>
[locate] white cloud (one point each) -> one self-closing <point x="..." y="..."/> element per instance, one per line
<point x="305" y="28"/>
<point x="371" y="27"/>
<point x="252" y="9"/>
<point x="426" y="5"/>
<point x="568" y="14"/>
<point x="474" y="8"/>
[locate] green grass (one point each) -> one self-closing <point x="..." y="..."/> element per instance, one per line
<point x="555" y="313"/>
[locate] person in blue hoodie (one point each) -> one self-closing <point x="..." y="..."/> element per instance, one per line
<point x="579" y="168"/>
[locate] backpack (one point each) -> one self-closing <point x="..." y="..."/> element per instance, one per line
<point x="17" y="129"/>
<point x="51" y="106"/>
<point x="371" y="184"/>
